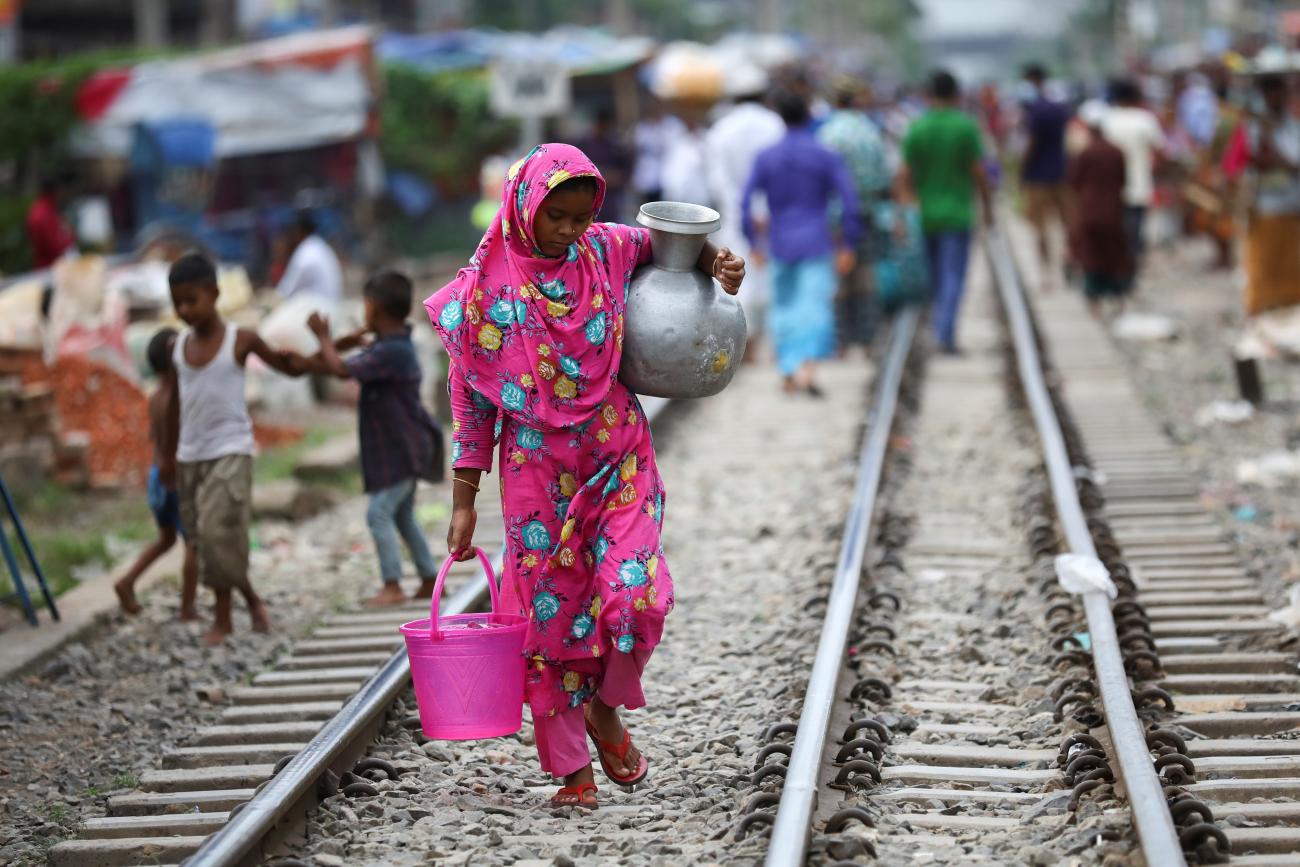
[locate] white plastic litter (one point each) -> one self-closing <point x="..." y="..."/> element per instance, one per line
<point x="1144" y="326"/>
<point x="1079" y="574"/>
<point x="1252" y="345"/>
<point x="1224" y="411"/>
<point x="144" y="283"/>
<point x="1289" y="614"/>
<point x="1092" y="474"/>
<point x="1271" y="334"/>
<point x="1271" y="470"/>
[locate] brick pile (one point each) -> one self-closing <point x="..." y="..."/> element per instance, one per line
<point x="33" y="444"/>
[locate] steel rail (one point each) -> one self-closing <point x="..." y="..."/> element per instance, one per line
<point x="258" y="818"/>
<point x="1151" y="817"/>
<point x="789" y="841"/>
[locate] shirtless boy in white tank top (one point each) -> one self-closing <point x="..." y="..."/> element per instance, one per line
<point x="209" y="438"/>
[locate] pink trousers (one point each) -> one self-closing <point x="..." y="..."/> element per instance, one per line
<point x="562" y="738"/>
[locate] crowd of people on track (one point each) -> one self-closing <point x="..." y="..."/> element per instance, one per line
<point x="833" y="192"/>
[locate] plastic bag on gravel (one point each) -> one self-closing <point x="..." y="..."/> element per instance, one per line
<point x="1080" y="573"/>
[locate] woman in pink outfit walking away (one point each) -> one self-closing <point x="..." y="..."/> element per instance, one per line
<point x="534" y="329"/>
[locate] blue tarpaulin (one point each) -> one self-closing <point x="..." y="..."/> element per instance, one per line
<point x="581" y="50"/>
<point x="178" y="142"/>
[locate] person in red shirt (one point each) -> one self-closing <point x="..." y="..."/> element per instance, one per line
<point x="47" y="232"/>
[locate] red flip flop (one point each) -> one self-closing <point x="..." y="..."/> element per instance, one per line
<point x="620" y="753"/>
<point x="576" y="793"/>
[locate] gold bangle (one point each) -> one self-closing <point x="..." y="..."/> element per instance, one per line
<point x="464" y="482"/>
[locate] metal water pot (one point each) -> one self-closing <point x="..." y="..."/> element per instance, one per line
<point x="683" y="335"/>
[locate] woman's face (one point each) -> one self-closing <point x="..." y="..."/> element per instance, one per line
<point x="562" y="219"/>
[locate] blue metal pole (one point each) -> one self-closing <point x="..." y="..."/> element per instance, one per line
<point x="27" y="549"/>
<point x="19" y="588"/>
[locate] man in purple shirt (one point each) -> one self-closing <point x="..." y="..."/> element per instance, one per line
<point x="1043" y="171"/>
<point x="800" y="178"/>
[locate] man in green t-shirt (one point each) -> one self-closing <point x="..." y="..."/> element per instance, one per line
<point x="943" y="170"/>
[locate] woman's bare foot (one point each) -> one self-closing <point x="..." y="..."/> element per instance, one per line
<point x="426" y="589"/>
<point x="390" y="594"/>
<point x="188" y="615"/>
<point x="126" y="597"/>
<point x="609" y="728"/>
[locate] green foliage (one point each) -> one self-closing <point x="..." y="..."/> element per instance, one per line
<point x="277" y="464"/>
<point x="40" y="108"/>
<point x="15" y="255"/>
<point x="39" y="102"/>
<point x="440" y="126"/>
<point x="39" y="113"/>
<point x="57" y="813"/>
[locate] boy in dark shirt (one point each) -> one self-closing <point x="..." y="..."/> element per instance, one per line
<point x="400" y="443"/>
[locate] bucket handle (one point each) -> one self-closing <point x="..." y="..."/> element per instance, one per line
<point x="434" y="632"/>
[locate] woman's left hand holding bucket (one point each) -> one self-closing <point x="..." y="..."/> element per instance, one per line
<point x="464" y="517"/>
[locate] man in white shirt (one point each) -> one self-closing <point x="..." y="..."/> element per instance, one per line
<point x="732" y="145"/>
<point x="313" y="268"/>
<point x="1137" y="133"/>
<point x="654" y="133"/>
<point x="684" y="175"/>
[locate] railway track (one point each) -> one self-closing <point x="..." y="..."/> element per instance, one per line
<point x="1161" y="700"/>
<point x="962" y="708"/>
<point x="1231" y="678"/>
<point x="937" y="740"/>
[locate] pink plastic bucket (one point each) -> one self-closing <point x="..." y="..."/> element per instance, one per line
<point x="468" y="669"/>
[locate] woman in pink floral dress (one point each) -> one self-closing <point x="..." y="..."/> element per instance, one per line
<point x="534" y="329"/>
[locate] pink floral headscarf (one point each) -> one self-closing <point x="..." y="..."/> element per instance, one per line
<point x="541" y="337"/>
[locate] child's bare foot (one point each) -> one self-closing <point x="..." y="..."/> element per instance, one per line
<point x="260" y="616"/>
<point x="126" y="597"/>
<point x="188" y="615"/>
<point x="216" y="636"/>
<point x="426" y="589"/>
<point x="390" y="594"/>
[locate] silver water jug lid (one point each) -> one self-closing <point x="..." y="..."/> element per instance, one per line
<point x="681" y="218"/>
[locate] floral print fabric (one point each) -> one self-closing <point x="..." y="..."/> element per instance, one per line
<point x="535" y="345"/>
